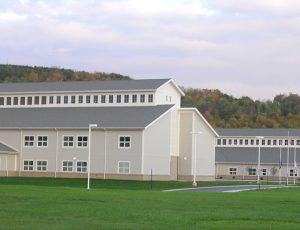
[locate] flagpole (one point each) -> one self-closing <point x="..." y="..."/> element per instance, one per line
<point x="295" y="165"/>
<point x="287" y="159"/>
<point x="280" y="164"/>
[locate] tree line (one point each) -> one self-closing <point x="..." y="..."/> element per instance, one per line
<point x="221" y="110"/>
<point x="226" y="111"/>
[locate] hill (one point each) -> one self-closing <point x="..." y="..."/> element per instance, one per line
<point x="17" y="73"/>
<point x="222" y="110"/>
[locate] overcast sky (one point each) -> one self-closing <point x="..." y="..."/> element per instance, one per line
<point x="242" y="47"/>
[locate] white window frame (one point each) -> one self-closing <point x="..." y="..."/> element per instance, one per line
<point x="29" y="146"/>
<point x="150" y="98"/>
<point x="292" y="171"/>
<point x="36" y="165"/>
<point x="62" y="166"/>
<point x="81" y="167"/>
<point x="82" y="141"/>
<point x="27" y="170"/>
<point x="264" y="172"/>
<point x="37" y="141"/>
<point x="63" y="141"/>
<point x="119" y="142"/>
<point x="232" y="171"/>
<point x="129" y="167"/>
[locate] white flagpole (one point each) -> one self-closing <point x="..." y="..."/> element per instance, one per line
<point x="280" y="164"/>
<point x="287" y="159"/>
<point x="295" y="166"/>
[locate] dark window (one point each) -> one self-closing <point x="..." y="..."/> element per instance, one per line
<point x="16" y="100"/>
<point x="44" y="100"/>
<point x="111" y="99"/>
<point x="126" y="98"/>
<point x="103" y="98"/>
<point x="73" y="99"/>
<point x="36" y="100"/>
<point x="22" y="100"/>
<point x="58" y="100"/>
<point x="88" y="99"/>
<point x="8" y="101"/>
<point x="29" y="100"/>
<point x="142" y="98"/>
<point x="95" y="99"/>
<point x="1" y="100"/>
<point x="80" y="99"/>
<point x="134" y="98"/>
<point x="51" y="100"/>
<point x="66" y="99"/>
<point x="150" y="98"/>
<point x="118" y="98"/>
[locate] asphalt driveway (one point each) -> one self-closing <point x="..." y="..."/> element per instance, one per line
<point x="234" y="188"/>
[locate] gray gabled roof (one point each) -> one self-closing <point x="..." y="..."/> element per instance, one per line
<point x="80" y="117"/>
<point x="249" y="132"/>
<point x="6" y="149"/>
<point x="250" y="155"/>
<point x="70" y="86"/>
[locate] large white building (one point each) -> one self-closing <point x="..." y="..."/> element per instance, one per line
<point x="141" y="128"/>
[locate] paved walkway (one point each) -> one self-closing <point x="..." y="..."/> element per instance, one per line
<point x="233" y="188"/>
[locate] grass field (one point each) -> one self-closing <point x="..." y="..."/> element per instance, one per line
<point x="34" y="203"/>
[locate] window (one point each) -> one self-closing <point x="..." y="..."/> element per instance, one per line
<point x="292" y="142"/>
<point x="224" y="142"/>
<point x="150" y="98"/>
<point x="251" y="142"/>
<point x="280" y="142"/>
<point x="28" y="165"/>
<point x="241" y="141"/>
<point x="1" y="100"/>
<point x="28" y="141"/>
<point x="95" y="99"/>
<point x="82" y="141"/>
<point x="298" y="142"/>
<point x="232" y="171"/>
<point x="73" y="98"/>
<point x="81" y="166"/>
<point x="246" y="142"/>
<point x="58" y="100"/>
<point x="124" y="142"/>
<point x="103" y="99"/>
<point x="269" y="142"/>
<point x="29" y="100"/>
<point x="264" y="172"/>
<point x="126" y="98"/>
<point x="134" y="98"/>
<point x="66" y="99"/>
<point x="42" y="141"/>
<point x="257" y="142"/>
<point x="118" y="98"/>
<point x="88" y="99"/>
<point x="286" y="142"/>
<point x="68" y="141"/>
<point x="41" y="166"/>
<point x="67" y="166"/>
<point x="16" y="100"/>
<point x="51" y="100"/>
<point x="44" y="100"/>
<point x="274" y="142"/>
<point x="292" y="172"/>
<point x="251" y="172"/>
<point x="36" y="100"/>
<point x="235" y="141"/>
<point x="142" y="98"/>
<point x="22" y="100"/>
<point x="111" y="98"/>
<point x="229" y="141"/>
<point x="124" y="167"/>
<point x="8" y="101"/>
<point x="218" y="141"/>
<point x="80" y="99"/>
<point x="263" y="142"/>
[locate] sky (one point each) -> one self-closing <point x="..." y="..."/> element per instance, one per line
<point x="243" y="48"/>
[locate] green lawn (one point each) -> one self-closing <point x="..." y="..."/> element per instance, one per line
<point x="27" y="203"/>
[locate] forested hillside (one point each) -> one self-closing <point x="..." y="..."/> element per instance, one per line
<point x="222" y="110"/>
<point x="15" y="73"/>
